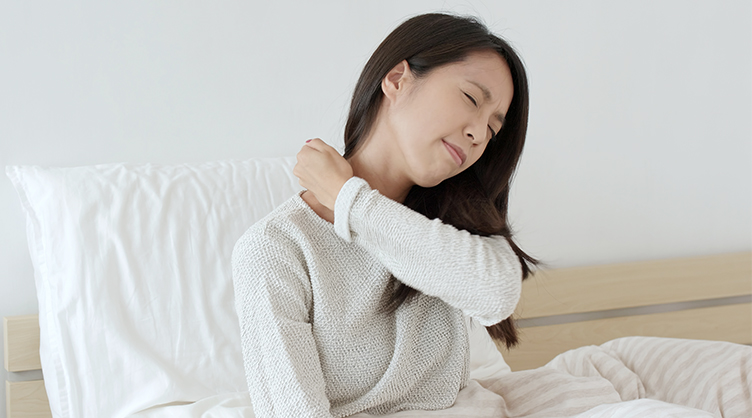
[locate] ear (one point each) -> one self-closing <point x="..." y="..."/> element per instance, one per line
<point x="395" y="82"/>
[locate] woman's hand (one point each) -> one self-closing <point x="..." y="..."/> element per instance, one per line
<point x="322" y="171"/>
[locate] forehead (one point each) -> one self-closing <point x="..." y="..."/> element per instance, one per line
<point x="484" y="69"/>
<point x="486" y="60"/>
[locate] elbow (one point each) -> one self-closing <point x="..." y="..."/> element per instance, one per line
<point x="510" y="301"/>
<point x="513" y="290"/>
<point x="504" y="295"/>
<point x="505" y="305"/>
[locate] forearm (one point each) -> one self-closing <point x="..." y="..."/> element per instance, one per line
<point x="279" y="352"/>
<point x="282" y="371"/>
<point x="479" y="275"/>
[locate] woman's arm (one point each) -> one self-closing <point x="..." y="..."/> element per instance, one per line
<point x="481" y="276"/>
<point x="273" y="300"/>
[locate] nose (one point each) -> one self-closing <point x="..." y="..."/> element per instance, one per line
<point x="476" y="131"/>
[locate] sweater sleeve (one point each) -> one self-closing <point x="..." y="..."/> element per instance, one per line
<point x="479" y="275"/>
<point x="273" y="300"/>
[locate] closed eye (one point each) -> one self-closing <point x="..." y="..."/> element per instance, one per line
<point x="471" y="99"/>
<point x="493" y="134"/>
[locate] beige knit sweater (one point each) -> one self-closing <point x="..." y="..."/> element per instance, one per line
<point x="309" y="296"/>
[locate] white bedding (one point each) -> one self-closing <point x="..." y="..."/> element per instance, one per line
<point x="132" y="272"/>
<point x="624" y="378"/>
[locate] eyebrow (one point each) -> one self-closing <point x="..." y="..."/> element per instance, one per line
<point x="487" y="96"/>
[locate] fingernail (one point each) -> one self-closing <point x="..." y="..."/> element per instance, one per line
<point x="308" y="141"/>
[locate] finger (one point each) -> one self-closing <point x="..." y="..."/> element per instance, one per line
<point x="306" y="153"/>
<point x="314" y="143"/>
<point x="306" y="148"/>
<point x="319" y="145"/>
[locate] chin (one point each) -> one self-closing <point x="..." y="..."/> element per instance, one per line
<point x="427" y="184"/>
<point x="431" y="181"/>
<point x="434" y="174"/>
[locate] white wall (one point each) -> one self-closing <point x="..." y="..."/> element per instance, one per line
<point x="640" y="140"/>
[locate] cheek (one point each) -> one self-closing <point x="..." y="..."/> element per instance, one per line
<point x="476" y="153"/>
<point x="431" y="112"/>
<point x="427" y="118"/>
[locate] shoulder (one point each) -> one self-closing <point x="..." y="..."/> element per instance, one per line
<point x="283" y="232"/>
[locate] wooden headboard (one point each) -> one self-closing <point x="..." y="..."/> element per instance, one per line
<point x="698" y="298"/>
<point x="703" y="298"/>
<point x="23" y="399"/>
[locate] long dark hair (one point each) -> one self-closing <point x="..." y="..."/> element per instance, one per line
<point x="476" y="200"/>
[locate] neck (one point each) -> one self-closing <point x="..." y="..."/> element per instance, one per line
<point x="380" y="163"/>
<point x="376" y="165"/>
<point x="380" y="178"/>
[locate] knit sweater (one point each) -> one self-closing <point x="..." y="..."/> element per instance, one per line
<point x="309" y="294"/>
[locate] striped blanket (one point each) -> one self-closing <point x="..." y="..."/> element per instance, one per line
<point x="624" y="378"/>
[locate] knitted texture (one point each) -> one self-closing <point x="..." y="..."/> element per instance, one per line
<point x="310" y="296"/>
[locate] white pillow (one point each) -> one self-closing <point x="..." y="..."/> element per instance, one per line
<point x="486" y="361"/>
<point x="133" y="276"/>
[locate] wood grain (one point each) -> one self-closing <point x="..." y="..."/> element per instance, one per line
<point x="539" y="345"/>
<point x="615" y="286"/>
<point x="21" y="343"/>
<point x="26" y="400"/>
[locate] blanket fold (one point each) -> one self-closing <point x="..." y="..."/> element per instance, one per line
<point x="624" y="378"/>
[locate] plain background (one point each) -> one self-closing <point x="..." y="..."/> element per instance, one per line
<point x="640" y="138"/>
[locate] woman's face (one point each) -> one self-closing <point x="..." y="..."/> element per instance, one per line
<point x="442" y="122"/>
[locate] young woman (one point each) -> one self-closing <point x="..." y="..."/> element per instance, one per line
<point x="352" y="295"/>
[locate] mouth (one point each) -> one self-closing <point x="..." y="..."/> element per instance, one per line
<point x="456" y="152"/>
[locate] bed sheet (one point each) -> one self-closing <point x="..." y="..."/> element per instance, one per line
<point x="238" y="405"/>
<point x="624" y="378"/>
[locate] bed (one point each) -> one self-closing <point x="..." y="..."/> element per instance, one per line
<point x="131" y="268"/>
